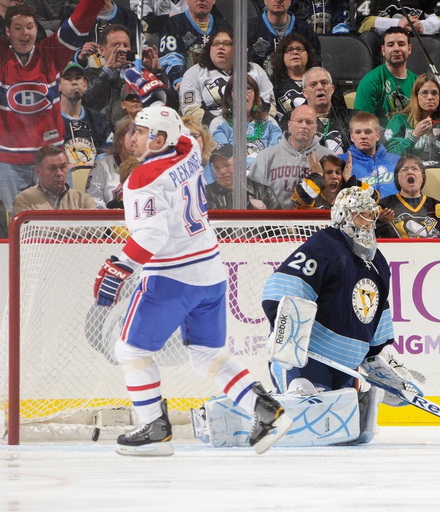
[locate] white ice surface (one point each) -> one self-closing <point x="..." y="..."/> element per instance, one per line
<point x="399" y="471"/>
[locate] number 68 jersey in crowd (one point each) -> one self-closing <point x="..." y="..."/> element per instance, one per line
<point x="165" y="211"/>
<point x="351" y="294"/>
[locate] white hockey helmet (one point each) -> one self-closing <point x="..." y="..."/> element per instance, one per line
<point x="161" y="119"/>
<point x="350" y="203"/>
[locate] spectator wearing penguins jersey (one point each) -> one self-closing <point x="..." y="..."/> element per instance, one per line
<point x="156" y="14"/>
<point x="325" y="17"/>
<point x="184" y="37"/>
<point x="333" y="116"/>
<point x="292" y="58"/>
<point x="202" y="88"/>
<point x="409" y="213"/>
<point x="266" y="31"/>
<point x="87" y="131"/>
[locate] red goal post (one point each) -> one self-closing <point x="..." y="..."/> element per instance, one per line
<point x="59" y="345"/>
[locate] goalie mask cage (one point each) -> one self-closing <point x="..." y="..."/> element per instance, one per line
<point x="56" y="345"/>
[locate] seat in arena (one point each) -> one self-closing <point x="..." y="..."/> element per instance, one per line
<point x="347" y="58"/>
<point x="417" y="61"/>
<point x="226" y="8"/>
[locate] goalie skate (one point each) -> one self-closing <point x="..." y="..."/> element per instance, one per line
<point x="148" y="440"/>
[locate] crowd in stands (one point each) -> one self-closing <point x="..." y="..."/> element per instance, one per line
<point x="69" y="97"/>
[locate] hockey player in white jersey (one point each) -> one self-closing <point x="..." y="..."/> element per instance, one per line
<point x="182" y="283"/>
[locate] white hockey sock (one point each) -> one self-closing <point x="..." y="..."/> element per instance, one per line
<point x="142" y="379"/>
<point x="236" y="381"/>
<point x="230" y="375"/>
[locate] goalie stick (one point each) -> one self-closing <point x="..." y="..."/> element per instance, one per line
<point x="405" y="395"/>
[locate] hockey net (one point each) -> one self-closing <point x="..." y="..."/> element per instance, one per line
<point x="56" y="345"/>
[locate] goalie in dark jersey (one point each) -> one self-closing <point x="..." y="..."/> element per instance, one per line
<point x="337" y="284"/>
<point x="329" y="297"/>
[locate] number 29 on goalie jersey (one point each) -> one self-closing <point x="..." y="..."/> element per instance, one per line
<point x="351" y="296"/>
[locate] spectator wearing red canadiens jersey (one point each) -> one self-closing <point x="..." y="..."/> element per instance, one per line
<point x="30" y="113"/>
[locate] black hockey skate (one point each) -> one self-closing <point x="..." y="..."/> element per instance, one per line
<point x="270" y="421"/>
<point x="148" y="440"/>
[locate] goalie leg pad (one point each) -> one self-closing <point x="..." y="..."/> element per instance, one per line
<point x="368" y="411"/>
<point x="318" y="420"/>
<point x="289" y="341"/>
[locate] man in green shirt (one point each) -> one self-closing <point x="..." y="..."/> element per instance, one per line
<point x="387" y="88"/>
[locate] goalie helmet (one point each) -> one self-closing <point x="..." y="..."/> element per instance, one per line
<point x="346" y="215"/>
<point x="161" y="119"/>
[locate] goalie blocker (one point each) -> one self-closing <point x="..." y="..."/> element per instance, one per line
<point x="289" y="342"/>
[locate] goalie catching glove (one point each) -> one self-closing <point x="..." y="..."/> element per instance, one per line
<point x="147" y="86"/>
<point x="384" y="369"/>
<point x="109" y="281"/>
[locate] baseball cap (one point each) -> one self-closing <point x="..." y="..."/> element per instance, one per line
<point x="127" y="91"/>
<point x="72" y="65"/>
<point x="223" y="150"/>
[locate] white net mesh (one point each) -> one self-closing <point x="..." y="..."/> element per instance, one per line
<point x="66" y="341"/>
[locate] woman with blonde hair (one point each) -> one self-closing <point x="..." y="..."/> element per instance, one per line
<point x="206" y="143"/>
<point x="104" y="182"/>
<point x="261" y="131"/>
<point x="416" y="129"/>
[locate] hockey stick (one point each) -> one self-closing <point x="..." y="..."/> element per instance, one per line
<point x="419" y="40"/>
<point x="410" y="398"/>
<point x="406" y="396"/>
<point x="335" y="365"/>
<point x="139" y="13"/>
<point x="289" y="344"/>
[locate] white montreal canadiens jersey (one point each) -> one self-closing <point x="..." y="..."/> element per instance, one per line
<point x="165" y="211"/>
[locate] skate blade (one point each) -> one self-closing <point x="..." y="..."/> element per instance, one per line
<point x="147" y="450"/>
<point x="282" y="425"/>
